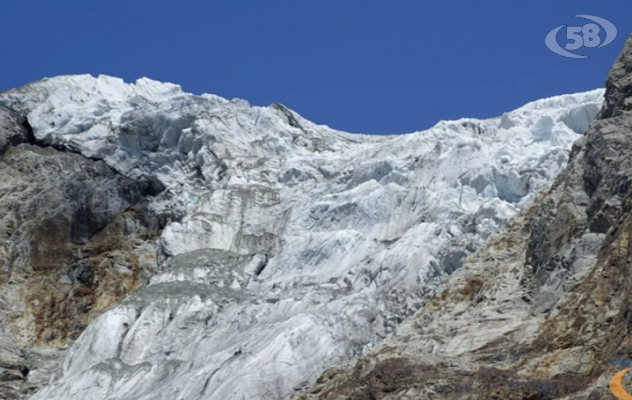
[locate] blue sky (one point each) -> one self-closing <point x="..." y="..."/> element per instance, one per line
<point x="357" y="65"/>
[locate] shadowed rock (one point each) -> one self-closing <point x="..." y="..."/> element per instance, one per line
<point x="75" y="237"/>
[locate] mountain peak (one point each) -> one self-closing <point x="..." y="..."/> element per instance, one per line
<point x="246" y="244"/>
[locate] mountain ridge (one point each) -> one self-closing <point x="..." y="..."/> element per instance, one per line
<point x="263" y="248"/>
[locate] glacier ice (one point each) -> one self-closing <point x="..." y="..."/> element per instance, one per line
<point x="289" y="246"/>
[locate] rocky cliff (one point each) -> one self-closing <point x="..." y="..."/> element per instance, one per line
<point x="541" y="309"/>
<point x="75" y="238"/>
<point x="156" y="244"/>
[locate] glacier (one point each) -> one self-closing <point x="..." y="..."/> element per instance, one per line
<point x="289" y="247"/>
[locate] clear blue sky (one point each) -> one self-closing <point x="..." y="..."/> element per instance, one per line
<point x="357" y="65"/>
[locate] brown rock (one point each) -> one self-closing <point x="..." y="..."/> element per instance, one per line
<point x="75" y="238"/>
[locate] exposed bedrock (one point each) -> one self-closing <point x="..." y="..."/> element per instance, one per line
<point x="75" y="238"/>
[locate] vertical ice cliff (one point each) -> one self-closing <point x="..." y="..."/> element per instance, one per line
<point x="288" y="247"/>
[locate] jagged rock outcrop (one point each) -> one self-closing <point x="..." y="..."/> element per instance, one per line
<point x="287" y="246"/>
<point x="75" y="238"/>
<point x="541" y="309"/>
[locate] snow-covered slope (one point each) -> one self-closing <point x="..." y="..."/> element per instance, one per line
<point x="289" y="247"/>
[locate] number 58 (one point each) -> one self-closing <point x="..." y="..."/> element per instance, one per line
<point x="590" y="36"/>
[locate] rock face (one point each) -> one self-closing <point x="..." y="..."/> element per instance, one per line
<point x="75" y="238"/>
<point x="284" y="247"/>
<point x="540" y="310"/>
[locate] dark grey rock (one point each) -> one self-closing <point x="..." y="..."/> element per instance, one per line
<point x="67" y="225"/>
